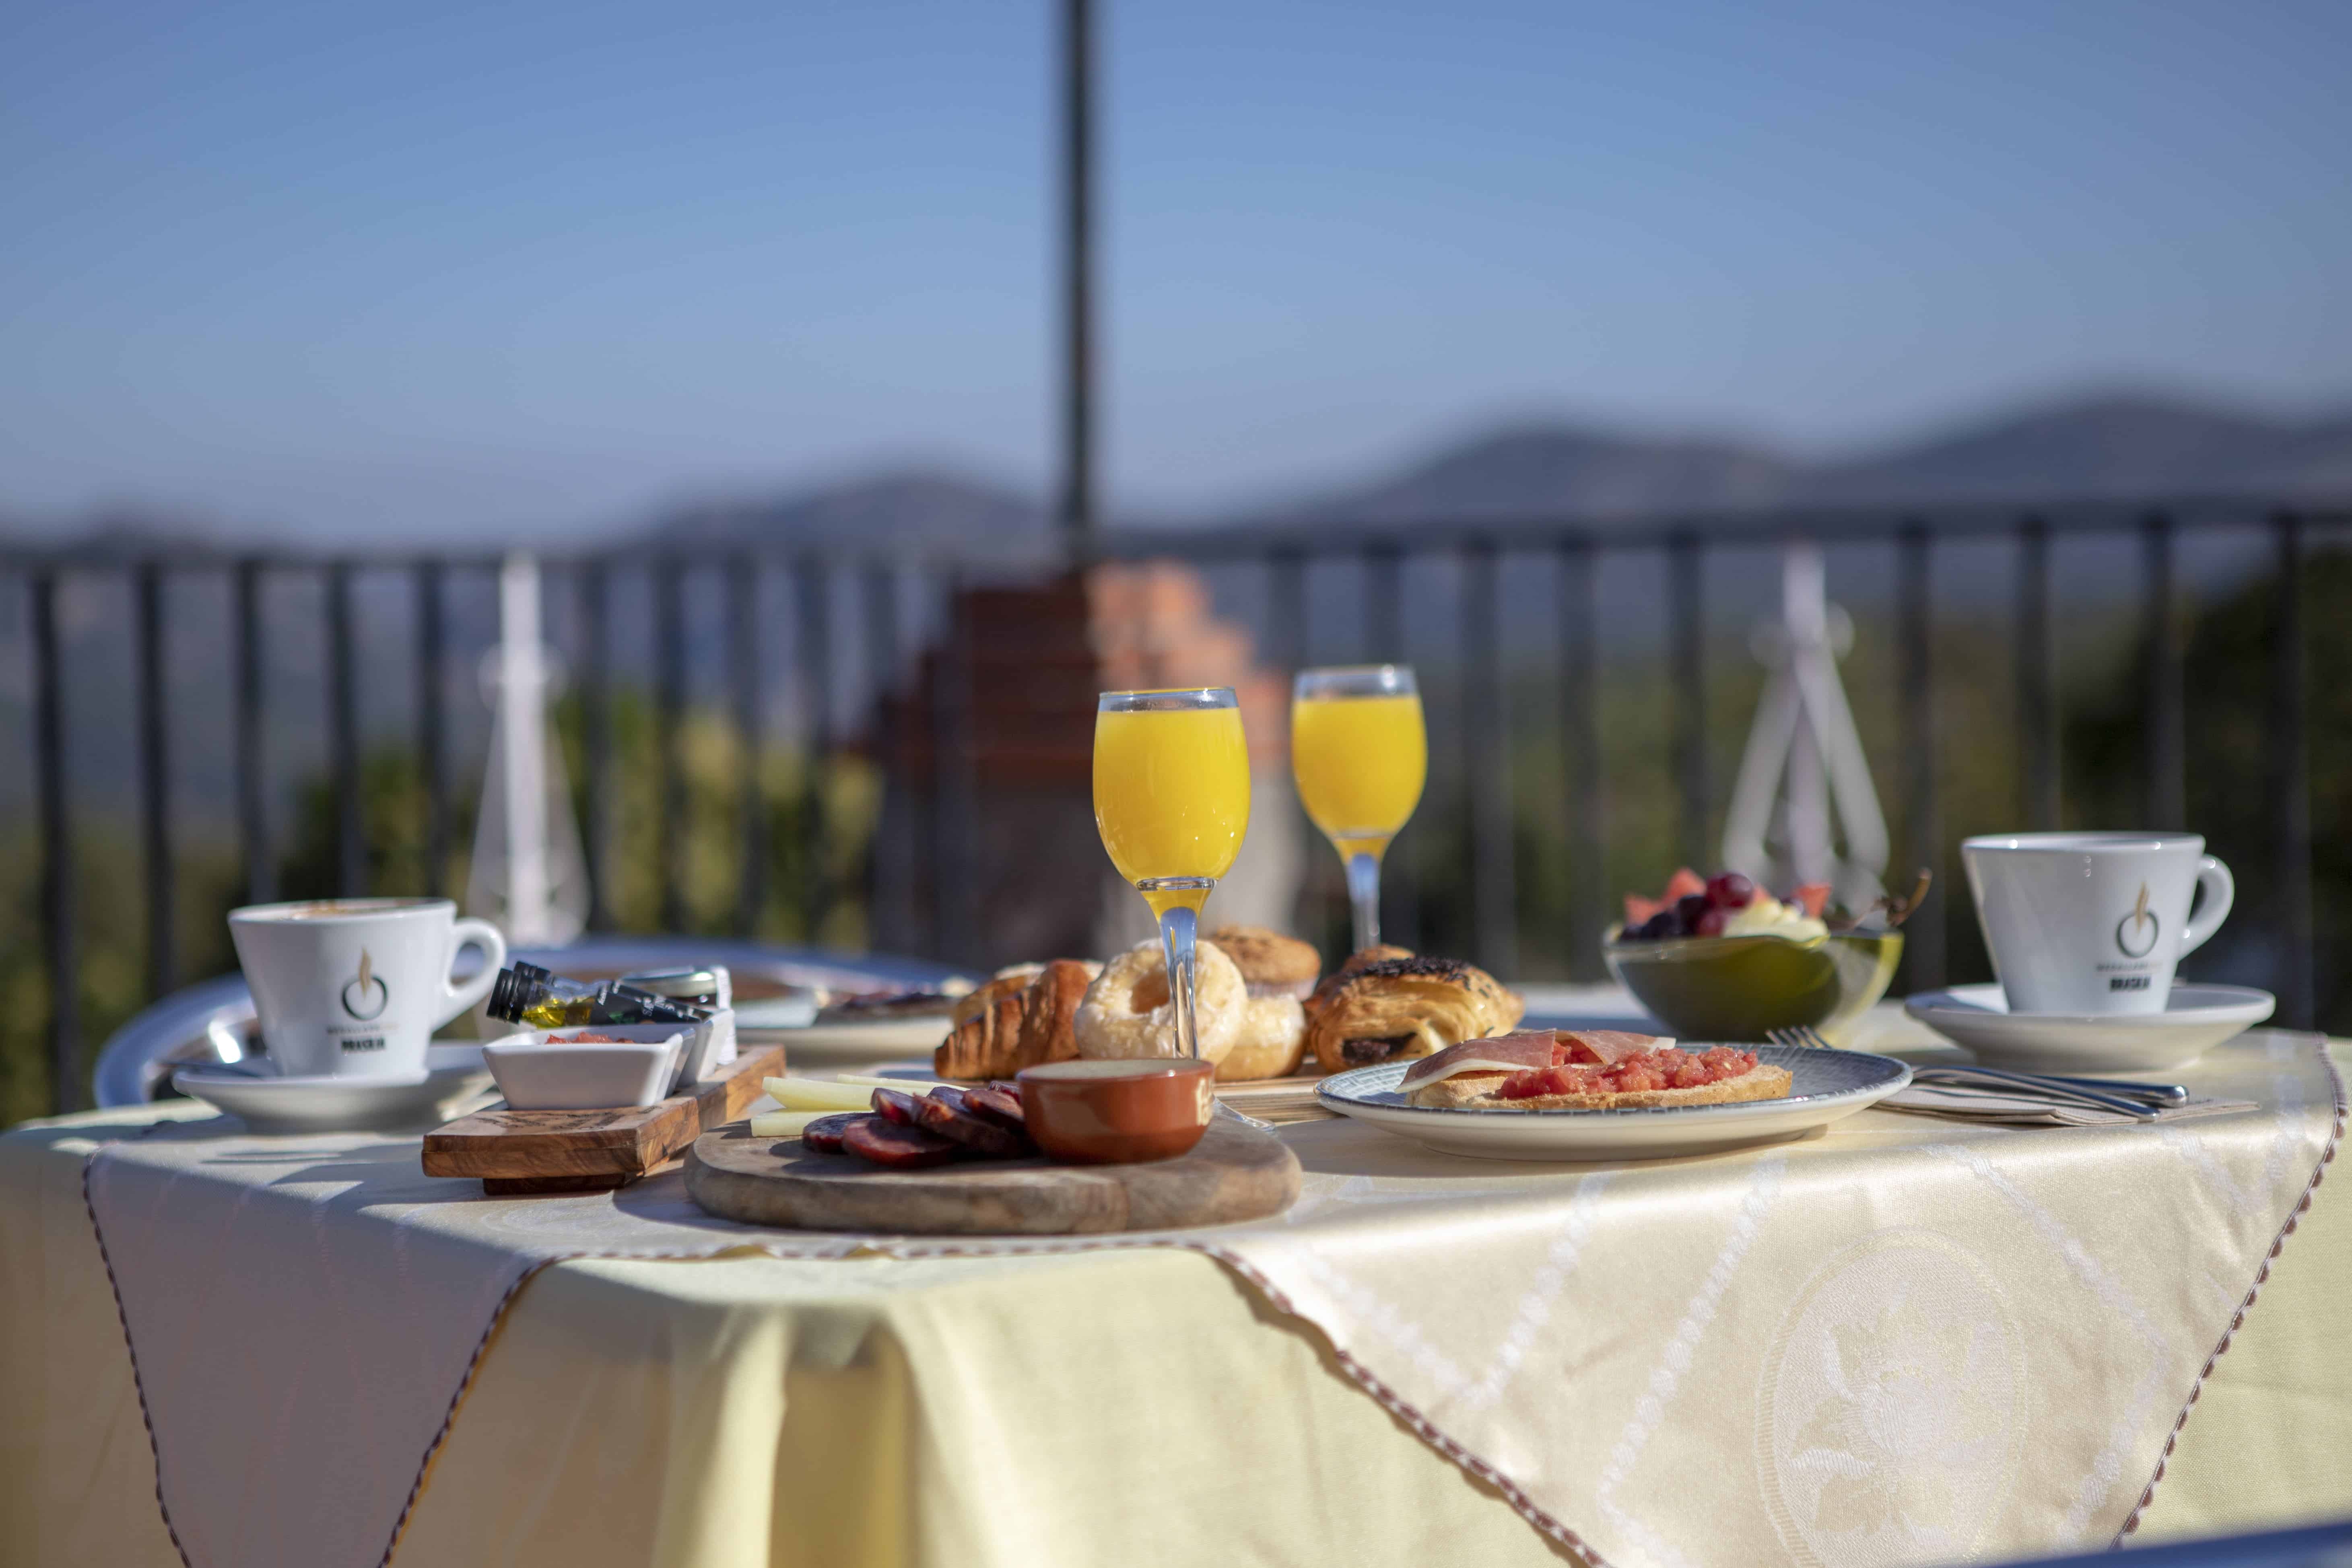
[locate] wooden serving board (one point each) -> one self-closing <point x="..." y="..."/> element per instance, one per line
<point x="519" y="1152"/>
<point x="1235" y="1172"/>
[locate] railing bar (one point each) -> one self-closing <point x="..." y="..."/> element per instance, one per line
<point x="252" y="738"/>
<point x="1687" y="624"/>
<point x="750" y="730"/>
<point x="342" y="728"/>
<point x="2165" y="736"/>
<point x="1384" y="639"/>
<point x="2037" y="676"/>
<point x="597" y="737"/>
<point x="1756" y="530"/>
<point x="154" y="784"/>
<point x="954" y="902"/>
<point x="432" y="738"/>
<point x="1494" y="893"/>
<point x="58" y="911"/>
<point x="813" y="581"/>
<point x="1925" y="951"/>
<point x="2291" y="745"/>
<point x="888" y="879"/>
<point x="1580" y="734"/>
<point x="1384" y="605"/>
<point x="670" y="658"/>
<point x="1286" y="598"/>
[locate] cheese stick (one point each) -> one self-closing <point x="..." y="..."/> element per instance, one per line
<point x="784" y="1123"/>
<point x="817" y="1094"/>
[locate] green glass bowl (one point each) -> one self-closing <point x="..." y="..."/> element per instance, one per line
<point x="1735" y="987"/>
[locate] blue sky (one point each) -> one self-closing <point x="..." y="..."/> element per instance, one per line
<point x="446" y="268"/>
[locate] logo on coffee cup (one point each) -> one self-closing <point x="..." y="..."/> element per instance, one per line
<point x="2135" y="932"/>
<point x="365" y="996"/>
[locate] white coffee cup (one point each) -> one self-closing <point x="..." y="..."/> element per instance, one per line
<point x="355" y="987"/>
<point x="2093" y="922"/>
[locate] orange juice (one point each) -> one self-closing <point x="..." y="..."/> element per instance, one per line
<point x="1171" y="796"/>
<point x="1361" y="762"/>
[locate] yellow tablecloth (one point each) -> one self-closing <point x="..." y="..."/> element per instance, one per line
<point x="1141" y="1407"/>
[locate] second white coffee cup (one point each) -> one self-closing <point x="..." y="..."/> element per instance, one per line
<point x="355" y="987"/>
<point x="2093" y="922"/>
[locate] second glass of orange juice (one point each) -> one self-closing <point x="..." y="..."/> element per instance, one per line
<point x="1360" y="756"/>
<point x="1171" y="800"/>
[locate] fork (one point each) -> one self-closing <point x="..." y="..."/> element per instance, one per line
<point x="2136" y="1099"/>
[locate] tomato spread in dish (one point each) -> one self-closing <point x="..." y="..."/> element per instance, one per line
<point x="1653" y="1070"/>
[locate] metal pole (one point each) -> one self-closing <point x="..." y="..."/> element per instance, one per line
<point x="155" y="782"/>
<point x="1077" y="499"/>
<point x="59" y="913"/>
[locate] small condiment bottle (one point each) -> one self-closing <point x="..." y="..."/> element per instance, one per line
<point x="526" y="994"/>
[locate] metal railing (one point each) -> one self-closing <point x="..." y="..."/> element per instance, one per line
<point x="1491" y="563"/>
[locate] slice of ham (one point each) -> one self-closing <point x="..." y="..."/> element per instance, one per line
<point x="1522" y="1052"/>
<point x="1607" y="1046"/>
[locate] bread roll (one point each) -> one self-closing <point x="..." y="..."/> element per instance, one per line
<point x="1272" y="964"/>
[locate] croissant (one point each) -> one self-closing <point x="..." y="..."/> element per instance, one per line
<point x="1011" y="1029"/>
<point x="1399" y="1008"/>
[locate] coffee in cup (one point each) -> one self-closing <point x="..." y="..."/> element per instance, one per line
<point x="2093" y="922"/>
<point x="355" y="987"/>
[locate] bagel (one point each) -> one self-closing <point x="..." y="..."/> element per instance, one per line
<point x="1271" y="1043"/>
<point x="1128" y="1012"/>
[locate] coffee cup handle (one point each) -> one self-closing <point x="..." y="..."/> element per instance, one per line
<point x="2220" y="890"/>
<point x="456" y="999"/>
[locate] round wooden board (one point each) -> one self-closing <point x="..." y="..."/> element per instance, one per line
<point x="1235" y="1172"/>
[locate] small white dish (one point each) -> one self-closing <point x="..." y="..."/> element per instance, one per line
<point x="2195" y="1019"/>
<point x="1825" y="1087"/>
<point x="266" y="1103"/>
<point x="544" y="1069"/>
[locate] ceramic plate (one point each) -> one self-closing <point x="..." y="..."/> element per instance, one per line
<point x="268" y="1103"/>
<point x="2195" y="1019"/>
<point x="1827" y="1085"/>
<point x="776" y="1013"/>
<point x="853" y="1045"/>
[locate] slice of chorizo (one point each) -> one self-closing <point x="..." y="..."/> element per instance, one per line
<point x="886" y="1144"/>
<point x="823" y="1136"/>
<point x="938" y="1114"/>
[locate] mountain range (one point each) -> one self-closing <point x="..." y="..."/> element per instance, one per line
<point x="2107" y="446"/>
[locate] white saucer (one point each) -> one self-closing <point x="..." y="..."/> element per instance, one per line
<point x="2195" y="1019"/>
<point x="266" y="1102"/>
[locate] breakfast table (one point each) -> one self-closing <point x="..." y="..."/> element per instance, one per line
<point x="1905" y="1340"/>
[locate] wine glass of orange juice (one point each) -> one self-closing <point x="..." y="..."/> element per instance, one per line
<point x="1171" y="799"/>
<point x="1360" y="756"/>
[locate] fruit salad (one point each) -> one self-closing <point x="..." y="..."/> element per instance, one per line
<point x="1726" y="904"/>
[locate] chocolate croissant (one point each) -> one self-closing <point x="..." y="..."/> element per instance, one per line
<point x="1399" y="1008"/>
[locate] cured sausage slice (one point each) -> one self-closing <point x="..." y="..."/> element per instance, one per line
<point x="823" y="1136"/>
<point x="885" y="1142"/>
<point x="896" y="1105"/>
<point x="994" y="1104"/>
<point x="948" y="1119"/>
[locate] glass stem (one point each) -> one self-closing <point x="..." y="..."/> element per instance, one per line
<point x="1364" y="893"/>
<point x="1178" y="929"/>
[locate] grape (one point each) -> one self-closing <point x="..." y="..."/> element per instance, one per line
<point x="1687" y="911"/>
<point x="1730" y="890"/>
<point x="1712" y="923"/>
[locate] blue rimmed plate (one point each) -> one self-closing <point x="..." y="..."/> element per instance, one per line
<point x="1825" y="1086"/>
